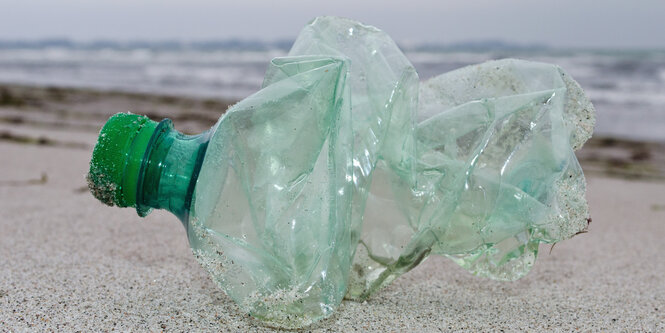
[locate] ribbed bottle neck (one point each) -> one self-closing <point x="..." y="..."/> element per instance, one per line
<point x="169" y="170"/>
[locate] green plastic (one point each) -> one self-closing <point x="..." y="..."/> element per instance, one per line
<point x="493" y="174"/>
<point x="117" y="157"/>
<point x="170" y="170"/>
<point x="344" y="172"/>
<point x="143" y="164"/>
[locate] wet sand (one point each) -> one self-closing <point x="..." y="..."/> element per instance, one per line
<point x="69" y="263"/>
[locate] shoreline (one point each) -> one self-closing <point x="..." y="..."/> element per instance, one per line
<point x="35" y="115"/>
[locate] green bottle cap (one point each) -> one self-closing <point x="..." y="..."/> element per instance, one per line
<point x="117" y="157"/>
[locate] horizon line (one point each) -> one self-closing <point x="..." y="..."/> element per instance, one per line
<point x="285" y="44"/>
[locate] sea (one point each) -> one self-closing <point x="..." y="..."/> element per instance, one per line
<point x="627" y="87"/>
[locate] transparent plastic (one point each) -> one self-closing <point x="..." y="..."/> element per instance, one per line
<point x="344" y="172"/>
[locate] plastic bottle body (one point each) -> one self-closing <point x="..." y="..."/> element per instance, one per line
<point x="495" y="175"/>
<point x="344" y="172"/>
<point x="271" y="207"/>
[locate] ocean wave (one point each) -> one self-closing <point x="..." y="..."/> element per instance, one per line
<point x="622" y="84"/>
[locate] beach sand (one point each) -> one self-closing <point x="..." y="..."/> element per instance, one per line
<point x="69" y="263"/>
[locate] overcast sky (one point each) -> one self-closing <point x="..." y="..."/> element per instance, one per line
<point x="562" y="23"/>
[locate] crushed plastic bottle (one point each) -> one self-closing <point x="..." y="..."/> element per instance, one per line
<point x="342" y="173"/>
<point x="494" y="175"/>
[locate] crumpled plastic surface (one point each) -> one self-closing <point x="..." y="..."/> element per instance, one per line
<point x="344" y="172"/>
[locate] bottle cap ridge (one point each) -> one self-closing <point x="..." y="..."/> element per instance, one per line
<point x="117" y="157"/>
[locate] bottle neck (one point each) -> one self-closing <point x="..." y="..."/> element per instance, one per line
<point x="168" y="171"/>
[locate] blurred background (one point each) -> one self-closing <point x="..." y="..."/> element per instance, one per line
<point x="220" y="50"/>
<point x="69" y="263"/>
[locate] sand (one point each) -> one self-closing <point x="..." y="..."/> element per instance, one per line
<point x="68" y="263"/>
